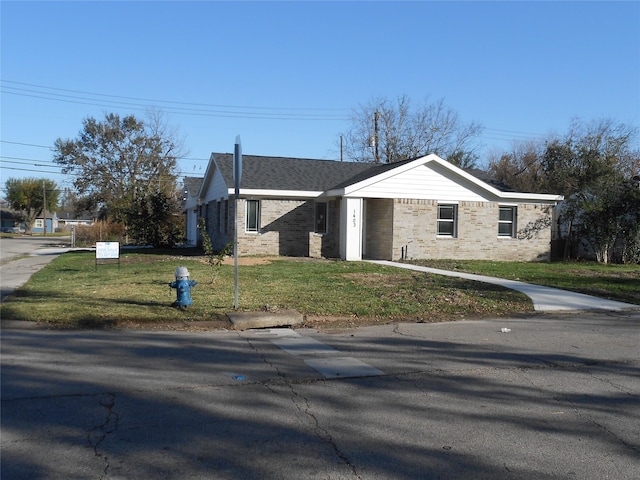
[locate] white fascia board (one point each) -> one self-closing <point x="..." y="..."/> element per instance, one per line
<point x="530" y="197"/>
<point x="503" y="196"/>
<point x="350" y="190"/>
<point x="256" y="192"/>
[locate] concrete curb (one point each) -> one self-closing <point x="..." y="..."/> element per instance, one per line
<point x="281" y="318"/>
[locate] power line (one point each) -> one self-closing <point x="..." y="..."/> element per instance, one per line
<point x="211" y="109"/>
<point x="30" y="160"/>
<point x="176" y="102"/>
<point x="30" y="170"/>
<point x="514" y="131"/>
<point x="38" y="160"/>
<point x="26" y="144"/>
<point x="180" y="108"/>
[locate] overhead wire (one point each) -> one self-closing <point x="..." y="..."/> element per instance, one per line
<point x="187" y="108"/>
<point x="174" y="107"/>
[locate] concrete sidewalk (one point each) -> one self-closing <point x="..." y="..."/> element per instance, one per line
<point x="545" y="299"/>
<point x="16" y="272"/>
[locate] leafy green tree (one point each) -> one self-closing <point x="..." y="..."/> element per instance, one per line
<point x="117" y="159"/>
<point x="154" y="218"/>
<point x="389" y="131"/>
<point x="608" y="219"/>
<point x="592" y="166"/>
<point x="30" y="196"/>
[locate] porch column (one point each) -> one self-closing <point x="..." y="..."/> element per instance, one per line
<point x="351" y="229"/>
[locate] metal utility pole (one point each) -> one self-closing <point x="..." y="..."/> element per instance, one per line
<point x="44" y="206"/>
<point x="376" y="115"/>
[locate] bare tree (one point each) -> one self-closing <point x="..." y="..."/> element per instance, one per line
<point x="520" y="167"/>
<point x="390" y="131"/>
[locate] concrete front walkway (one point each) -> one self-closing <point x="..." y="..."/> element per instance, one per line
<point x="545" y="299"/>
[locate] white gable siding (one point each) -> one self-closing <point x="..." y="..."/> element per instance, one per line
<point x="217" y="189"/>
<point x="424" y="182"/>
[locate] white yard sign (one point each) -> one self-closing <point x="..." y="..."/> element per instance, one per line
<point x="106" y="250"/>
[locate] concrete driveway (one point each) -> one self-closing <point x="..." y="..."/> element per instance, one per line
<point x="558" y="397"/>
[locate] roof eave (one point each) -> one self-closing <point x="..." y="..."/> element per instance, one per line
<point x="531" y="197"/>
<point x="208" y="175"/>
<point x="257" y="192"/>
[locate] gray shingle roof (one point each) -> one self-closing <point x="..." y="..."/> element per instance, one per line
<point x="192" y="184"/>
<point x="281" y="173"/>
<point x="302" y="174"/>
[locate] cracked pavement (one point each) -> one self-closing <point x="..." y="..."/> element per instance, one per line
<point x="558" y="397"/>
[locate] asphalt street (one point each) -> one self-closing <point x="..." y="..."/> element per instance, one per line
<point x="554" y="397"/>
<point x="550" y="396"/>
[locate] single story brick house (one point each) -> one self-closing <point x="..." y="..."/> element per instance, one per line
<point x="424" y="208"/>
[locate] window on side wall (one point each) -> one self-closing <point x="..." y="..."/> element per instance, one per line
<point x="448" y="220"/>
<point x="507" y="222"/>
<point x="321" y="217"/>
<point x="253" y="216"/>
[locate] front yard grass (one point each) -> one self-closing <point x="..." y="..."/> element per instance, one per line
<point x="70" y="292"/>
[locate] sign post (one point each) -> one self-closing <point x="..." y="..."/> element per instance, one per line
<point x="237" y="177"/>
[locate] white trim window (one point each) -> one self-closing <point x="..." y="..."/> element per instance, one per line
<point x="507" y="221"/>
<point x="448" y="220"/>
<point x="253" y="216"/>
<point x="321" y="217"/>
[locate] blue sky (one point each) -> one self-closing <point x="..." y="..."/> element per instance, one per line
<point x="286" y="75"/>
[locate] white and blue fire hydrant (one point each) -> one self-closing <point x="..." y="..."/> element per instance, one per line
<point x="183" y="286"/>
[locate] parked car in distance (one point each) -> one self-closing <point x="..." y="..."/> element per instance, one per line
<point x="11" y="230"/>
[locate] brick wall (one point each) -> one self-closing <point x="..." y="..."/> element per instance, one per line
<point x="393" y="228"/>
<point x="415" y="231"/>
<point x="287" y="229"/>
<point x="379" y="224"/>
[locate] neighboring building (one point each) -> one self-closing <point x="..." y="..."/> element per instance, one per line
<point x="423" y="208"/>
<point x="10" y="221"/>
<point x="68" y="218"/>
<point x="51" y="223"/>
<point x="191" y="190"/>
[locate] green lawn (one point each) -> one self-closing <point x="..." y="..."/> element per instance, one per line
<point x="615" y="282"/>
<point x="72" y="292"/>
